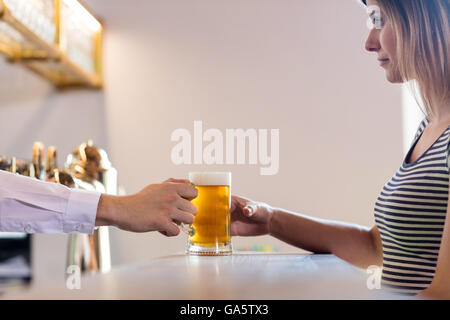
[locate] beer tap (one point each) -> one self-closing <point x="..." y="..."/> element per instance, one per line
<point x="91" y="170"/>
<point x="37" y="169"/>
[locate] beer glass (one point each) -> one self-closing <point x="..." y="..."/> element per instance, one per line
<point x="211" y="228"/>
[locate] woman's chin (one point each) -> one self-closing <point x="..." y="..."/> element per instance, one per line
<point x="392" y="75"/>
<point x="393" y="78"/>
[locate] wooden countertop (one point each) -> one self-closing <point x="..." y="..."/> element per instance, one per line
<point x="252" y="276"/>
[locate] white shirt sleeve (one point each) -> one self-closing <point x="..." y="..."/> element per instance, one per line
<point x="33" y="206"/>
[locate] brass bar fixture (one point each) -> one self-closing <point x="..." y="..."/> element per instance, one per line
<point x="88" y="168"/>
<point x="91" y="170"/>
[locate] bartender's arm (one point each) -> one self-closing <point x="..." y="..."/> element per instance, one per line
<point x="34" y="206"/>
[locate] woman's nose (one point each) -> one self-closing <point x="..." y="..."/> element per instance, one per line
<point x="372" y="42"/>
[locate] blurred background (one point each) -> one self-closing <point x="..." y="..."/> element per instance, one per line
<point x="296" y="66"/>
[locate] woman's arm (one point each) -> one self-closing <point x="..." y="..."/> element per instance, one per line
<point x="355" y="244"/>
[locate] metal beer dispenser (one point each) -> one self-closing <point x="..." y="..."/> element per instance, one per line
<point x="91" y="170"/>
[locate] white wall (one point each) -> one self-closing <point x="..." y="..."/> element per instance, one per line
<point x="299" y="66"/>
<point x="412" y="115"/>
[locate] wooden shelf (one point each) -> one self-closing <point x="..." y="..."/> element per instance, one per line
<point x="49" y="59"/>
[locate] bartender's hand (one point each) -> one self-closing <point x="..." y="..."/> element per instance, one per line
<point x="157" y="207"/>
<point x="249" y="218"/>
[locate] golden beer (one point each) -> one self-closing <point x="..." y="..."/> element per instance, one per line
<point x="212" y="222"/>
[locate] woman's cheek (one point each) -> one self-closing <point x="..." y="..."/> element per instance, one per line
<point x="387" y="40"/>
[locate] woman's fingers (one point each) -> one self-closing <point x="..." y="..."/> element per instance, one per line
<point x="238" y="203"/>
<point x="242" y="206"/>
<point x="235" y="204"/>
<point x="239" y="228"/>
<point x="250" y="209"/>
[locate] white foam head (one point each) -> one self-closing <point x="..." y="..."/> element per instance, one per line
<point x="210" y="178"/>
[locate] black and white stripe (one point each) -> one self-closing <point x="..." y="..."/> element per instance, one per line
<point x="410" y="214"/>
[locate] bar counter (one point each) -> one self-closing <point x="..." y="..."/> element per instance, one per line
<point x="241" y="276"/>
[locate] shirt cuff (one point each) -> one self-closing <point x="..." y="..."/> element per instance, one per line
<point x="81" y="211"/>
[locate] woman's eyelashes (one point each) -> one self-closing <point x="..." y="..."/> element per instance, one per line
<point x="377" y="22"/>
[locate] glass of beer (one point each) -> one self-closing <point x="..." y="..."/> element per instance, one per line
<point x="211" y="227"/>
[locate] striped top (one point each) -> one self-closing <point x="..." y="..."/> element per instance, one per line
<point x="410" y="214"/>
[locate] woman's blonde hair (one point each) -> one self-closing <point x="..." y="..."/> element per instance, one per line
<point x="423" y="45"/>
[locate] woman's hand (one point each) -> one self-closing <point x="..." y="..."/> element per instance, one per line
<point x="249" y="218"/>
<point x="157" y="207"/>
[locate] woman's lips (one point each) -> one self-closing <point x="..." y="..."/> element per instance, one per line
<point x="383" y="61"/>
